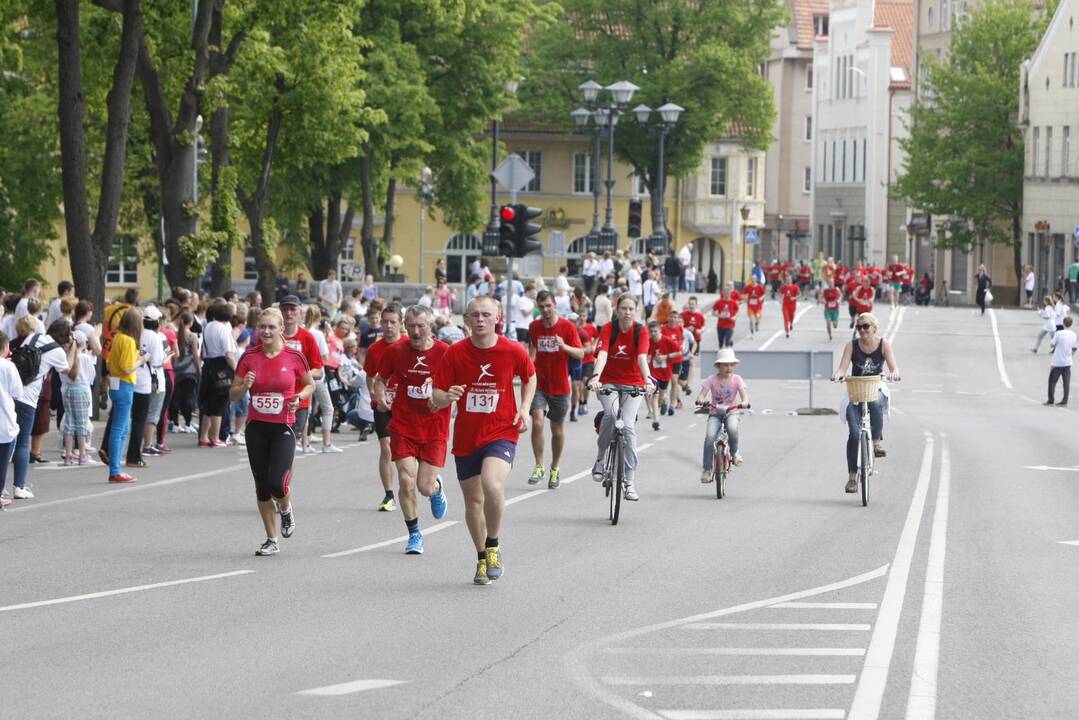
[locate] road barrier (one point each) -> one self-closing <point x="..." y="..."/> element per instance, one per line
<point x="778" y="365"/>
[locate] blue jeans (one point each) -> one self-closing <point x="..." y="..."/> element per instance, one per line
<point x="672" y="286"/>
<point x="24" y="415"/>
<point x="120" y="424"/>
<point x="854" y="427"/>
<point x="6" y="449"/>
<point x="732" y="420"/>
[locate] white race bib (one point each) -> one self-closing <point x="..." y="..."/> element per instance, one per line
<point x="420" y="392"/>
<point x="547" y="343"/>
<point x="388" y="396"/>
<point x="268" y="403"/>
<point x="481" y="402"/>
<point x="659" y="362"/>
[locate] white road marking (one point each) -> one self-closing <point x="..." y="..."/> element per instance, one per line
<point x="692" y="425"/>
<point x="922" y="700"/>
<point x="797" y="317"/>
<point x="927" y="391"/>
<point x="642" y="448"/>
<point x="1050" y="467"/>
<point x="878" y="659"/>
<point x="805" y="679"/>
<point x="374" y="546"/>
<point x="736" y="651"/>
<point x="661" y="438"/>
<point x="854" y="627"/>
<point x="896" y="325"/>
<point x="1000" y="353"/>
<point x="768" y="714"/>
<point x="350" y="687"/>
<point x="827" y="605"/>
<point x="1068" y="542"/>
<point x="121" y="591"/>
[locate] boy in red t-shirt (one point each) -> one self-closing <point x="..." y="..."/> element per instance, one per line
<point x="831" y="297"/>
<point x="674" y="330"/>
<point x="754" y="293"/>
<point x="790" y="293"/>
<point x="726" y="312"/>
<point x="693" y="320"/>
<point x="660" y="351"/>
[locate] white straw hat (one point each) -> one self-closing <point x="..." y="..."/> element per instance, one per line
<point x="725" y="357"/>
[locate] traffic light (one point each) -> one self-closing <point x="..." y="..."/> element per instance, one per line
<point x="634" y="230"/>
<point x="524" y="230"/>
<point x="507" y="229"/>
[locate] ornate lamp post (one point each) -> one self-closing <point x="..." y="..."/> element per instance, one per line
<point x="668" y="114"/>
<point x="744" y="212"/>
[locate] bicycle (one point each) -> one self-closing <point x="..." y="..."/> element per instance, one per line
<point x="722" y="460"/>
<point x="863" y="390"/>
<point x="614" y="467"/>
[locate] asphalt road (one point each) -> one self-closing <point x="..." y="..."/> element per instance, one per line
<point x="950" y="596"/>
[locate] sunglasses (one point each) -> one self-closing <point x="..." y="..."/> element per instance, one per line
<point x="864" y="326"/>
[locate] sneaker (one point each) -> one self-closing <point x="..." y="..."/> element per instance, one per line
<point x="536" y="476"/>
<point x="582" y="410"/>
<point x="69" y="460"/>
<point x="553" y="480"/>
<point x="4" y="502"/>
<point x="84" y="460"/>
<point x="121" y="478"/>
<point x="163" y="449"/>
<point x="1062" y="404"/>
<point x="878" y="451"/>
<point x="670" y="411"/>
<point x="573" y="417"/>
<point x="309" y="450"/>
<point x="151" y="451"/>
<point x="414" y="546"/>
<point x="481" y="574"/>
<point x="597" y="472"/>
<point x="387" y="505"/>
<point x="331" y="449"/>
<point x="268" y="548"/>
<point x="438" y="502"/>
<point x="663" y="409"/>
<point x="494" y="563"/>
<point x="231" y="440"/>
<point x="139" y="464"/>
<point x="655" y="424"/>
<point x="90" y="449"/>
<point x="706" y="476"/>
<point x="631" y="493"/>
<point x="852" y="486"/>
<point x="288" y="523"/>
<point x="173" y="428"/>
<point x="23" y="493"/>
<point x="737" y="459"/>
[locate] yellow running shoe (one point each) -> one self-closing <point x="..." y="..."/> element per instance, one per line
<point x="387" y="505"/>
<point x="494" y="563"/>
<point x="481" y="574"/>
<point x="536" y="476"/>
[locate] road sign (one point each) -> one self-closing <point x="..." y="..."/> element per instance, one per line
<point x="751" y="236"/>
<point x="556" y="243"/>
<point x="513" y="173"/>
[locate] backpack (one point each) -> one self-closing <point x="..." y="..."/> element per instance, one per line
<point x="27" y="358"/>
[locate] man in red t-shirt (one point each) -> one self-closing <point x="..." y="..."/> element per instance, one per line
<point x="587" y="333"/>
<point x="300" y="339"/>
<point x="805" y="277"/>
<point x="774" y="272"/>
<point x="754" y="293"/>
<point x="680" y="362"/>
<point x="862" y="299"/>
<point x="693" y="320"/>
<point x="477" y="374"/>
<point x="852" y="284"/>
<point x="418" y="434"/>
<point x="552" y="341"/>
<point x="391" y="334"/>
<point x="830" y="297"/>
<point x="660" y="351"/>
<point x="790" y="293"/>
<point x="725" y="311"/>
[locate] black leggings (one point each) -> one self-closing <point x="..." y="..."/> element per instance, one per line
<point x="184" y="397"/>
<point x="163" y="421"/>
<point x="139" y="405"/>
<point x="270" y="447"/>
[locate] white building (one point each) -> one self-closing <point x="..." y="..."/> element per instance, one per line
<point x="862" y="91"/>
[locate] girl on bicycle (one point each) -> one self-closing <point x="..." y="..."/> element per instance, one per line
<point x="621" y="366"/>
<point x="865" y="356"/>
<point x="725" y="393"/>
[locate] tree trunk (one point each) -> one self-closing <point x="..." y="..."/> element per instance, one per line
<point x="254" y="205"/>
<point x="367" y="229"/>
<point x="387" y="222"/>
<point x="89" y="253"/>
<point x="316" y="237"/>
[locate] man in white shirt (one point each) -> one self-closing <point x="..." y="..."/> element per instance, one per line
<point x="66" y="290"/>
<point x="685" y="256"/>
<point x="1060" y="365"/>
<point x="31" y="290"/>
<point x="522" y="313"/>
<point x="605" y="266"/>
<point x="588" y="272"/>
<point x="561" y="282"/>
<point x="636" y="285"/>
<point x="330" y="293"/>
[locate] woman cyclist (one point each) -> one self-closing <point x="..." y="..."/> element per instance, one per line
<point x="621" y="365"/>
<point x="725" y="393"/>
<point x="278" y="379"/>
<point x="865" y="356"/>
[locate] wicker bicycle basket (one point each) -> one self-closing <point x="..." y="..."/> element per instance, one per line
<point x="864" y="388"/>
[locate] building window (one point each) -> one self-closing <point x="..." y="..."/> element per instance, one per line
<point x="1034" y="152"/>
<point x="583" y="177"/>
<point x="854" y="161"/>
<point x="823" y="161"/>
<point x="347" y="267"/>
<point x="929" y="18"/>
<point x="251" y="271"/>
<point x="640" y="187"/>
<point x="843" y="171"/>
<point x="1048" y="149"/>
<point x="820" y="24"/>
<point x="534" y="158"/>
<point x="863" y="160"/>
<point x="1065" y="148"/>
<point x="1065" y="79"/>
<point x="751" y="177"/>
<point x="123" y="261"/>
<point x="809" y="76"/>
<point x="809" y="128"/>
<point x="945" y="17"/>
<point x="718" y="180"/>
<point x="807" y="179"/>
<point x="833" y="161"/>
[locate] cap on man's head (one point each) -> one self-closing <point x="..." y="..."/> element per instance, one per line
<point x="152" y="312"/>
<point x="290" y="300"/>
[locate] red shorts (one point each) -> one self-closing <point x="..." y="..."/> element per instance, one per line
<point x="432" y="452"/>
<point x="753" y="312"/>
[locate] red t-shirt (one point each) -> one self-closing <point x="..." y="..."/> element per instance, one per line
<point x="842" y="274"/>
<point x="790" y="294"/>
<point x="773" y="272"/>
<point x="661" y="367"/>
<point x="621" y="367"/>
<point x="754" y="297"/>
<point x="372" y="363"/>
<point x="587" y="333"/>
<point x="304" y="343"/>
<point x="488" y="407"/>
<point x="874" y="275"/>
<point x="863" y="298"/>
<point x="410" y="372"/>
<point x="831" y="298"/>
<point x="851" y="285"/>
<point x="694" y="321"/>
<point x="908" y="275"/>
<point x="805" y="274"/>
<point x="277" y="381"/>
<point x="678" y="335"/>
<point x="896" y="272"/>
<point x="727" y="311"/>
<point x="552" y="362"/>
<point x="736" y="296"/>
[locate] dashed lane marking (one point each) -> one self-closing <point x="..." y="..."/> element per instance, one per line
<point x="753" y="714"/>
<point x="374" y="546"/>
<point x="827" y="605"/>
<point x="999" y="352"/>
<point x="350" y="687"/>
<point x="779" y="332"/>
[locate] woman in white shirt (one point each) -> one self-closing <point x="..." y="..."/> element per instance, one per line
<point x="10" y="391"/>
<point x="603" y="306"/>
<point x="1048" y="314"/>
<point x="219" y="354"/>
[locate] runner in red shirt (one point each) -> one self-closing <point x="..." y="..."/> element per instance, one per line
<point x="693" y="320"/>
<point x="552" y="341"/>
<point x="622" y="364"/>
<point x="805" y="278"/>
<point x="895" y="273"/>
<point x="279" y="381"/>
<point x="660" y="351"/>
<point x="754" y="293"/>
<point x="733" y="294"/>
<point x="852" y="284"/>
<point x="726" y="312"/>
<point x="477" y="374"/>
<point x="831" y="297"/>
<point x="418" y="434"/>
<point x="790" y="293"/>
<point x="774" y="272"/>
<point x="679" y="363"/>
<point x="842" y="275"/>
<point x="391" y="334"/>
<point x="862" y="298"/>
<point x="588" y="334"/>
<point x="300" y="339"/>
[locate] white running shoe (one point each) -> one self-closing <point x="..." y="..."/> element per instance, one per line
<point x="309" y="450"/>
<point x="331" y="449"/>
<point x="22" y="493"/>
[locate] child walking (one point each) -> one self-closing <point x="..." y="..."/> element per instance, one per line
<point x="75" y="387"/>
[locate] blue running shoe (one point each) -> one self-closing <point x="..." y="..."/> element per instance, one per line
<point x="438" y="501"/>
<point x="414" y="546"/>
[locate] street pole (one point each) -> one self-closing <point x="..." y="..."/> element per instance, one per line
<point x="422" y="213"/>
<point x="743" y="255"/>
<point x="492" y="226"/>
<point x="612" y="120"/>
<point x="597" y="133"/>
<point x="662" y="189"/>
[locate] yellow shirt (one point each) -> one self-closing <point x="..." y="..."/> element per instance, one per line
<point x="123" y="354"/>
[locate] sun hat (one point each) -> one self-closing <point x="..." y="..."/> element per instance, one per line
<point x="725" y="356"/>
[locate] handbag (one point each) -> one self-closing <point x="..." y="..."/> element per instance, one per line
<point x="988" y="296"/>
<point x="219" y="372"/>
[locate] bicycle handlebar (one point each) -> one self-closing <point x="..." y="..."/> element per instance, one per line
<point x="634" y="392"/>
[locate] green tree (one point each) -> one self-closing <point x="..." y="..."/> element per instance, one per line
<point x="702" y="56"/>
<point x="964" y="153"/>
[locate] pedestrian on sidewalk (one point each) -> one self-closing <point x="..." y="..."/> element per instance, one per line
<point x="10" y="392"/>
<point x="75" y="390"/>
<point x="984" y="282"/>
<point x="1060" y="365"/>
<point x="124" y="359"/>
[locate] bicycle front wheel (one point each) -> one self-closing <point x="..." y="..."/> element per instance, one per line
<point x="866" y="460"/>
<point x="722" y="468"/>
<point x="617" y="482"/>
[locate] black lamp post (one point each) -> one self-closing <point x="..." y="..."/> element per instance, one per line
<point x="668" y="114"/>
<point x="744" y="212"/>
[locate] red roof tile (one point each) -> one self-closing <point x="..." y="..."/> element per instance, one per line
<point x="899" y="16"/>
<point x="802" y="12"/>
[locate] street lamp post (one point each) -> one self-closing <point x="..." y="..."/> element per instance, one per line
<point x="744" y="212"/>
<point x="493" y="223"/>
<point x="668" y="114"/>
<point x="425" y="197"/>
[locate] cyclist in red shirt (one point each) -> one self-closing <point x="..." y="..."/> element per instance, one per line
<point x="391" y="334"/>
<point x="279" y="380"/>
<point x="477" y="374"/>
<point x="552" y="341"/>
<point x="790" y="294"/>
<point x="418" y="434"/>
<point x="660" y="351"/>
<point x="831" y="297"/>
<point x="754" y="293"/>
